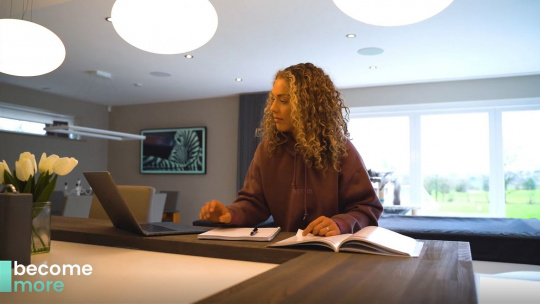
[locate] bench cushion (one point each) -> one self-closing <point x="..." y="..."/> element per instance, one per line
<point x="491" y="239"/>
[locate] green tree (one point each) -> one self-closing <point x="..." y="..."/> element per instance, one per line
<point x="438" y="186"/>
<point x="462" y="186"/>
<point x="485" y="186"/>
<point x="530" y="185"/>
<point x="431" y="185"/>
<point x="509" y="177"/>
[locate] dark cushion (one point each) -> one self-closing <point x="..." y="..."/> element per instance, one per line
<point x="491" y="239"/>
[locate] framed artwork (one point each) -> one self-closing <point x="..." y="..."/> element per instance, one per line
<point x="174" y="151"/>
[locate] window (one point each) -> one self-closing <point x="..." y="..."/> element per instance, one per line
<point x="521" y="157"/>
<point x="19" y="119"/>
<point x="455" y="162"/>
<point x="456" y="159"/>
<point x="377" y="139"/>
<point x="22" y="126"/>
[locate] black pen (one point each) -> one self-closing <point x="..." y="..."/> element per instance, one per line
<point x="252" y="233"/>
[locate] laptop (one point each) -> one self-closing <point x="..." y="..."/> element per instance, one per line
<point x="121" y="216"/>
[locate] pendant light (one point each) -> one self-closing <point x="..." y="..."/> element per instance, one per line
<point x="391" y="12"/>
<point x="165" y="26"/>
<point x="29" y="49"/>
<point x="92" y="132"/>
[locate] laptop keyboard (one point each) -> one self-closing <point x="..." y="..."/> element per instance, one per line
<point x="155" y="228"/>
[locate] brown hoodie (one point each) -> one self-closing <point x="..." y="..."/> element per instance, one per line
<point x="282" y="185"/>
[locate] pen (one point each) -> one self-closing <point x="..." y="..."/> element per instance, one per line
<point x="252" y="233"/>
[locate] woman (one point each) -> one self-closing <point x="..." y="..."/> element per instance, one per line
<point x="305" y="172"/>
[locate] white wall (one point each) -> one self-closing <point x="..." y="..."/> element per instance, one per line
<point x="440" y="92"/>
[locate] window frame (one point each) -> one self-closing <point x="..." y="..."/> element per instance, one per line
<point x="494" y="109"/>
<point x="29" y="114"/>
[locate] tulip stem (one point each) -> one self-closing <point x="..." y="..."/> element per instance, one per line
<point x="34" y="231"/>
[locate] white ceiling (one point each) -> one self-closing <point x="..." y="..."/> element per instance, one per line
<point x="471" y="39"/>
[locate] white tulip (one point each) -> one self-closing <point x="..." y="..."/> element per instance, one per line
<point x="3" y="167"/>
<point x="25" y="166"/>
<point x="24" y="169"/>
<point x="64" y="165"/>
<point x="46" y="164"/>
<point x="32" y="158"/>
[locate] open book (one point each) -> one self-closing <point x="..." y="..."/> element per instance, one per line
<point x="370" y="239"/>
<point x="240" y="234"/>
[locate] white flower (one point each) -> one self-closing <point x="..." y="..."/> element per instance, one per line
<point x="27" y="179"/>
<point x="64" y="165"/>
<point x="3" y="167"/>
<point x="46" y="164"/>
<point x="26" y="166"/>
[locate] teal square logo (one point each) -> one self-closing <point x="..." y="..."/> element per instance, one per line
<point x="5" y="276"/>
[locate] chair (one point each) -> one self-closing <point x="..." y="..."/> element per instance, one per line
<point x="138" y="198"/>
<point x="171" y="212"/>
<point x="157" y="207"/>
<point x="57" y="202"/>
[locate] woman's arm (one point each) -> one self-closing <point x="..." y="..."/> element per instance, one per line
<point x="357" y="198"/>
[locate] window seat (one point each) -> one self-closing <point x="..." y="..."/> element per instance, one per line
<point x="506" y="240"/>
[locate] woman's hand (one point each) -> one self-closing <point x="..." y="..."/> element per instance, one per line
<point x="216" y="212"/>
<point x="323" y="226"/>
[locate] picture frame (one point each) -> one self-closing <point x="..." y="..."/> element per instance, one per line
<point x="173" y="151"/>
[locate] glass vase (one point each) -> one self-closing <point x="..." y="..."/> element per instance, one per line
<point x="41" y="227"/>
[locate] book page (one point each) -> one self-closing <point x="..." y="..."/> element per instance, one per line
<point x="331" y="242"/>
<point x="387" y="239"/>
<point x="364" y="247"/>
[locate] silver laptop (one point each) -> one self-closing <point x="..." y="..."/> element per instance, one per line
<point x="121" y="216"/>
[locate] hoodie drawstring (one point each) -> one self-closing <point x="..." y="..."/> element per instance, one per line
<point x="305" y="192"/>
<point x="293" y="184"/>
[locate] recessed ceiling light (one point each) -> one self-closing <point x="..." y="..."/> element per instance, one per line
<point x="370" y="51"/>
<point x="238" y="79"/>
<point x="100" y="74"/>
<point x="188" y="56"/>
<point x="160" y="74"/>
<point x="350" y="35"/>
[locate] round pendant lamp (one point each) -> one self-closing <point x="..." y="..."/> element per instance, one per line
<point x="391" y="12"/>
<point x="29" y="49"/>
<point x="165" y="26"/>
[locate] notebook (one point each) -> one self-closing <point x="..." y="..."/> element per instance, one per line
<point x="240" y="234"/>
<point x="121" y="216"/>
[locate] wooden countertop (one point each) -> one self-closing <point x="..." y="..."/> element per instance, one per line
<point x="442" y="273"/>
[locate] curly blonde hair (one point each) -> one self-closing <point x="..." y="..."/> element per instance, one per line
<point x="318" y="114"/>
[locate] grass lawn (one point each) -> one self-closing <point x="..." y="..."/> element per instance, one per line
<point x="517" y="203"/>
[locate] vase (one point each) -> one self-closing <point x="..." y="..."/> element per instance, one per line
<point x="41" y="227"/>
<point x="15" y="223"/>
